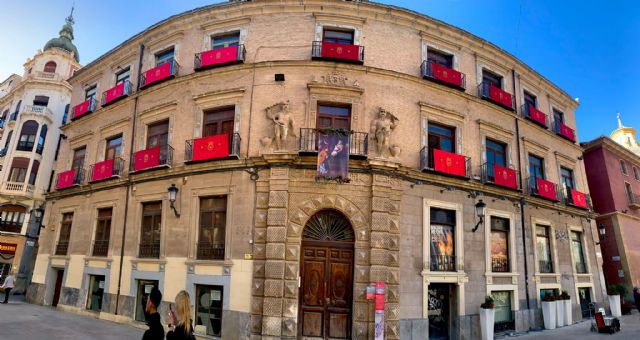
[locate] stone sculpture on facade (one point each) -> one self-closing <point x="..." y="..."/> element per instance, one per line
<point x="282" y="123"/>
<point x="381" y="129"/>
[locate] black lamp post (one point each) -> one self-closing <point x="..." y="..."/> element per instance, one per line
<point x="173" y="192"/>
<point x="480" y="209"/>
<point x="602" y="231"/>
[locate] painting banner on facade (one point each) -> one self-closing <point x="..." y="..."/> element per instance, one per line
<point x="146" y="159"/>
<point x="333" y="155"/>
<point x="211" y="147"/>
<point x="102" y="170"/>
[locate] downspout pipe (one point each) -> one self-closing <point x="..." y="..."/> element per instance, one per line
<point x="126" y="199"/>
<point x="522" y="219"/>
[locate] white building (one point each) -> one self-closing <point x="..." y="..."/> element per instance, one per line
<point x="32" y="109"/>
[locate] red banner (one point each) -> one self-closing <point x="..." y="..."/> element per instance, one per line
<point x="500" y="96"/>
<point x="505" y="177"/>
<point x="449" y="163"/>
<point x="66" y="178"/>
<point x="114" y="93"/>
<point x="102" y="170"/>
<point x="379" y="297"/>
<point x="579" y="199"/>
<point x="82" y="108"/>
<point x="567" y="132"/>
<point x="8" y="248"/>
<point x="446" y="74"/>
<point x="219" y="56"/>
<point x="211" y="147"/>
<point x="158" y="73"/>
<point x="340" y="51"/>
<point x="546" y="189"/>
<point x="145" y="159"/>
<point x="537" y="116"/>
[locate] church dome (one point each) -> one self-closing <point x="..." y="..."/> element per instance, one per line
<point x="626" y="136"/>
<point x="64" y="41"/>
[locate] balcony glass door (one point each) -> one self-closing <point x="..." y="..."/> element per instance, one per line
<point x="496" y="155"/>
<point x="334" y="116"/>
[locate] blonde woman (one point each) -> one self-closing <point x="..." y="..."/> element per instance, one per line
<point x="180" y="320"/>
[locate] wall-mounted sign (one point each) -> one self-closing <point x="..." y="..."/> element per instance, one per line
<point x="378" y="305"/>
<point x="8" y="248"/>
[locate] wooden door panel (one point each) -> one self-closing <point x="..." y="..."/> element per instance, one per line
<point x="338" y="325"/>
<point x="313" y="290"/>
<point x="312" y="323"/>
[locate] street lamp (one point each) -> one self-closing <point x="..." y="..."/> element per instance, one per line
<point x="38" y="213"/>
<point x="173" y="192"/>
<point x="480" y="209"/>
<point x="602" y="231"/>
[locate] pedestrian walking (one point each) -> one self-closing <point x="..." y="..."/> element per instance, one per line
<point x="636" y="297"/>
<point x="155" y="331"/>
<point x="8" y="285"/>
<point x="180" y="321"/>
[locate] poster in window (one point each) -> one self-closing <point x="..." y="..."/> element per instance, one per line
<point x="499" y="245"/>
<point x="333" y="156"/>
<point x="442" y="240"/>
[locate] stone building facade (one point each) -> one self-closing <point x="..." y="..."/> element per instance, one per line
<point x="426" y="107"/>
<point x="32" y="109"/>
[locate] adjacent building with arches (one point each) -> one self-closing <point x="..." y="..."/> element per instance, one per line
<point x="191" y="163"/>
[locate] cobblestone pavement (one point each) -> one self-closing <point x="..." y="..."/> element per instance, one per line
<point x="629" y="330"/>
<point x="23" y="321"/>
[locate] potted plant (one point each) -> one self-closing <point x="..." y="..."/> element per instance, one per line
<point x="568" y="312"/>
<point x="549" y="311"/>
<point x="487" y="317"/>
<point x="614" y="292"/>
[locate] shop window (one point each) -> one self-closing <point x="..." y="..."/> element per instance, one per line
<point x="504" y="320"/>
<point x="499" y="244"/>
<point x="442" y="228"/>
<point x="209" y="304"/>
<point x="144" y="288"/>
<point x="96" y="291"/>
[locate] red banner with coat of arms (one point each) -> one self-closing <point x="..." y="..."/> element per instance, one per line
<point x="158" y="73"/>
<point x="82" y="108"/>
<point x="102" y="170"/>
<point x="579" y="199"/>
<point x="537" y="116"/>
<point x="446" y="74"/>
<point x="211" y="147"/>
<point x="500" y="96"/>
<point x="114" y="93"/>
<point x="66" y="179"/>
<point x="340" y="51"/>
<point x="449" y="163"/>
<point x="546" y="189"/>
<point x="504" y="176"/>
<point x="567" y="132"/>
<point x="219" y="56"/>
<point x="145" y="159"/>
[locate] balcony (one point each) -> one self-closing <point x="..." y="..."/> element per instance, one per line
<point x="443" y="263"/>
<point x="534" y="115"/>
<point x="545" y="266"/>
<point x="10" y="226"/>
<point x="544" y="189"/>
<point x="496" y="95"/>
<point x="70" y="178"/>
<point x="19" y="188"/>
<point x="210" y="251"/>
<point x="149" y="250"/>
<point x="62" y="248"/>
<point x="219" y="57"/>
<point x="358" y="143"/>
<point x="577" y="199"/>
<point x="499" y="264"/>
<point x="38" y="110"/>
<point x="445" y="163"/>
<point x="321" y="50"/>
<point x="442" y="75"/>
<point x="106" y="169"/>
<point x="116" y="93"/>
<point x="564" y="131"/>
<point x="501" y="176"/>
<point x="222" y="146"/>
<point x="100" y="248"/>
<point x="159" y="74"/>
<point x="156" y="157"/>
<point x="83" y="108"/>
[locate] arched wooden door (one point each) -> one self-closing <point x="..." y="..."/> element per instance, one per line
<point x="326" y="286"/>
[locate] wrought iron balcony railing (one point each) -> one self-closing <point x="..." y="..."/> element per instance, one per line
<point x="210" y="251"/>
<point x="532" y="114"/>
<point x="83" y="108"/>
<point x="116" y="93"/>
<point x="443" y="75"/>
<point x="150" y="250"/>
<point x="545" y="266"/>
<point x="499" y="264"/>
<point x="443" y="162"/>
<point x="210" y="152"/>
<point x="358" y="143"/>
<point x="564" y="131"/>
<point x="322" y="50"/>
<point x="219" y="57"/>
<point x="70" y="178"/>
<point x="159" y="156"/>
<point x="496" y="95"/>
<point x="62" y="248"/>
<point x="543" y="188"/>
<point x="100" y="248"/>
<point x="502" y="176"/>
<point x="159" y="73"/>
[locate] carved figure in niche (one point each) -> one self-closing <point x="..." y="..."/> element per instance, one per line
<point x="282" y="123"/>
<point x="381" y="129"/>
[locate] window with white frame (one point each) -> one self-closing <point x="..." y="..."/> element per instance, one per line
<point x="499" y="245"/>
<point x="543" y="249"/>
<point x="578" y="252"/>
<point x="443" y="224"/>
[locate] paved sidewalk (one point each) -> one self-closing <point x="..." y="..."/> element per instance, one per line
<point x="23" y="321"/>
<point x="629" y="325"/>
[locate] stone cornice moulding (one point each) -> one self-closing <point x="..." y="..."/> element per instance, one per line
<point x="226" y="23"/>
<point x="562" y="158"/>
<point x="115" y="126"/>
<point x="495" y="129"/>
<point x="503" y="66"/>
<point x="612" y="146"/>
<point x="123" y="60"/>
<point x="535" y="146"/>
<point x="80" y="138"/>
<point x="158" y="109"/>
<point x="153" y="43"/>
<point x="320" y="88"/>
<point x="339" y="18"/>
<point x="429" y="37"/>
<point x="434" y="110"/>
<point x="207" y="98"/>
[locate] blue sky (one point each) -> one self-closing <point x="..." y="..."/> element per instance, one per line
<point x="590" y="49"/>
